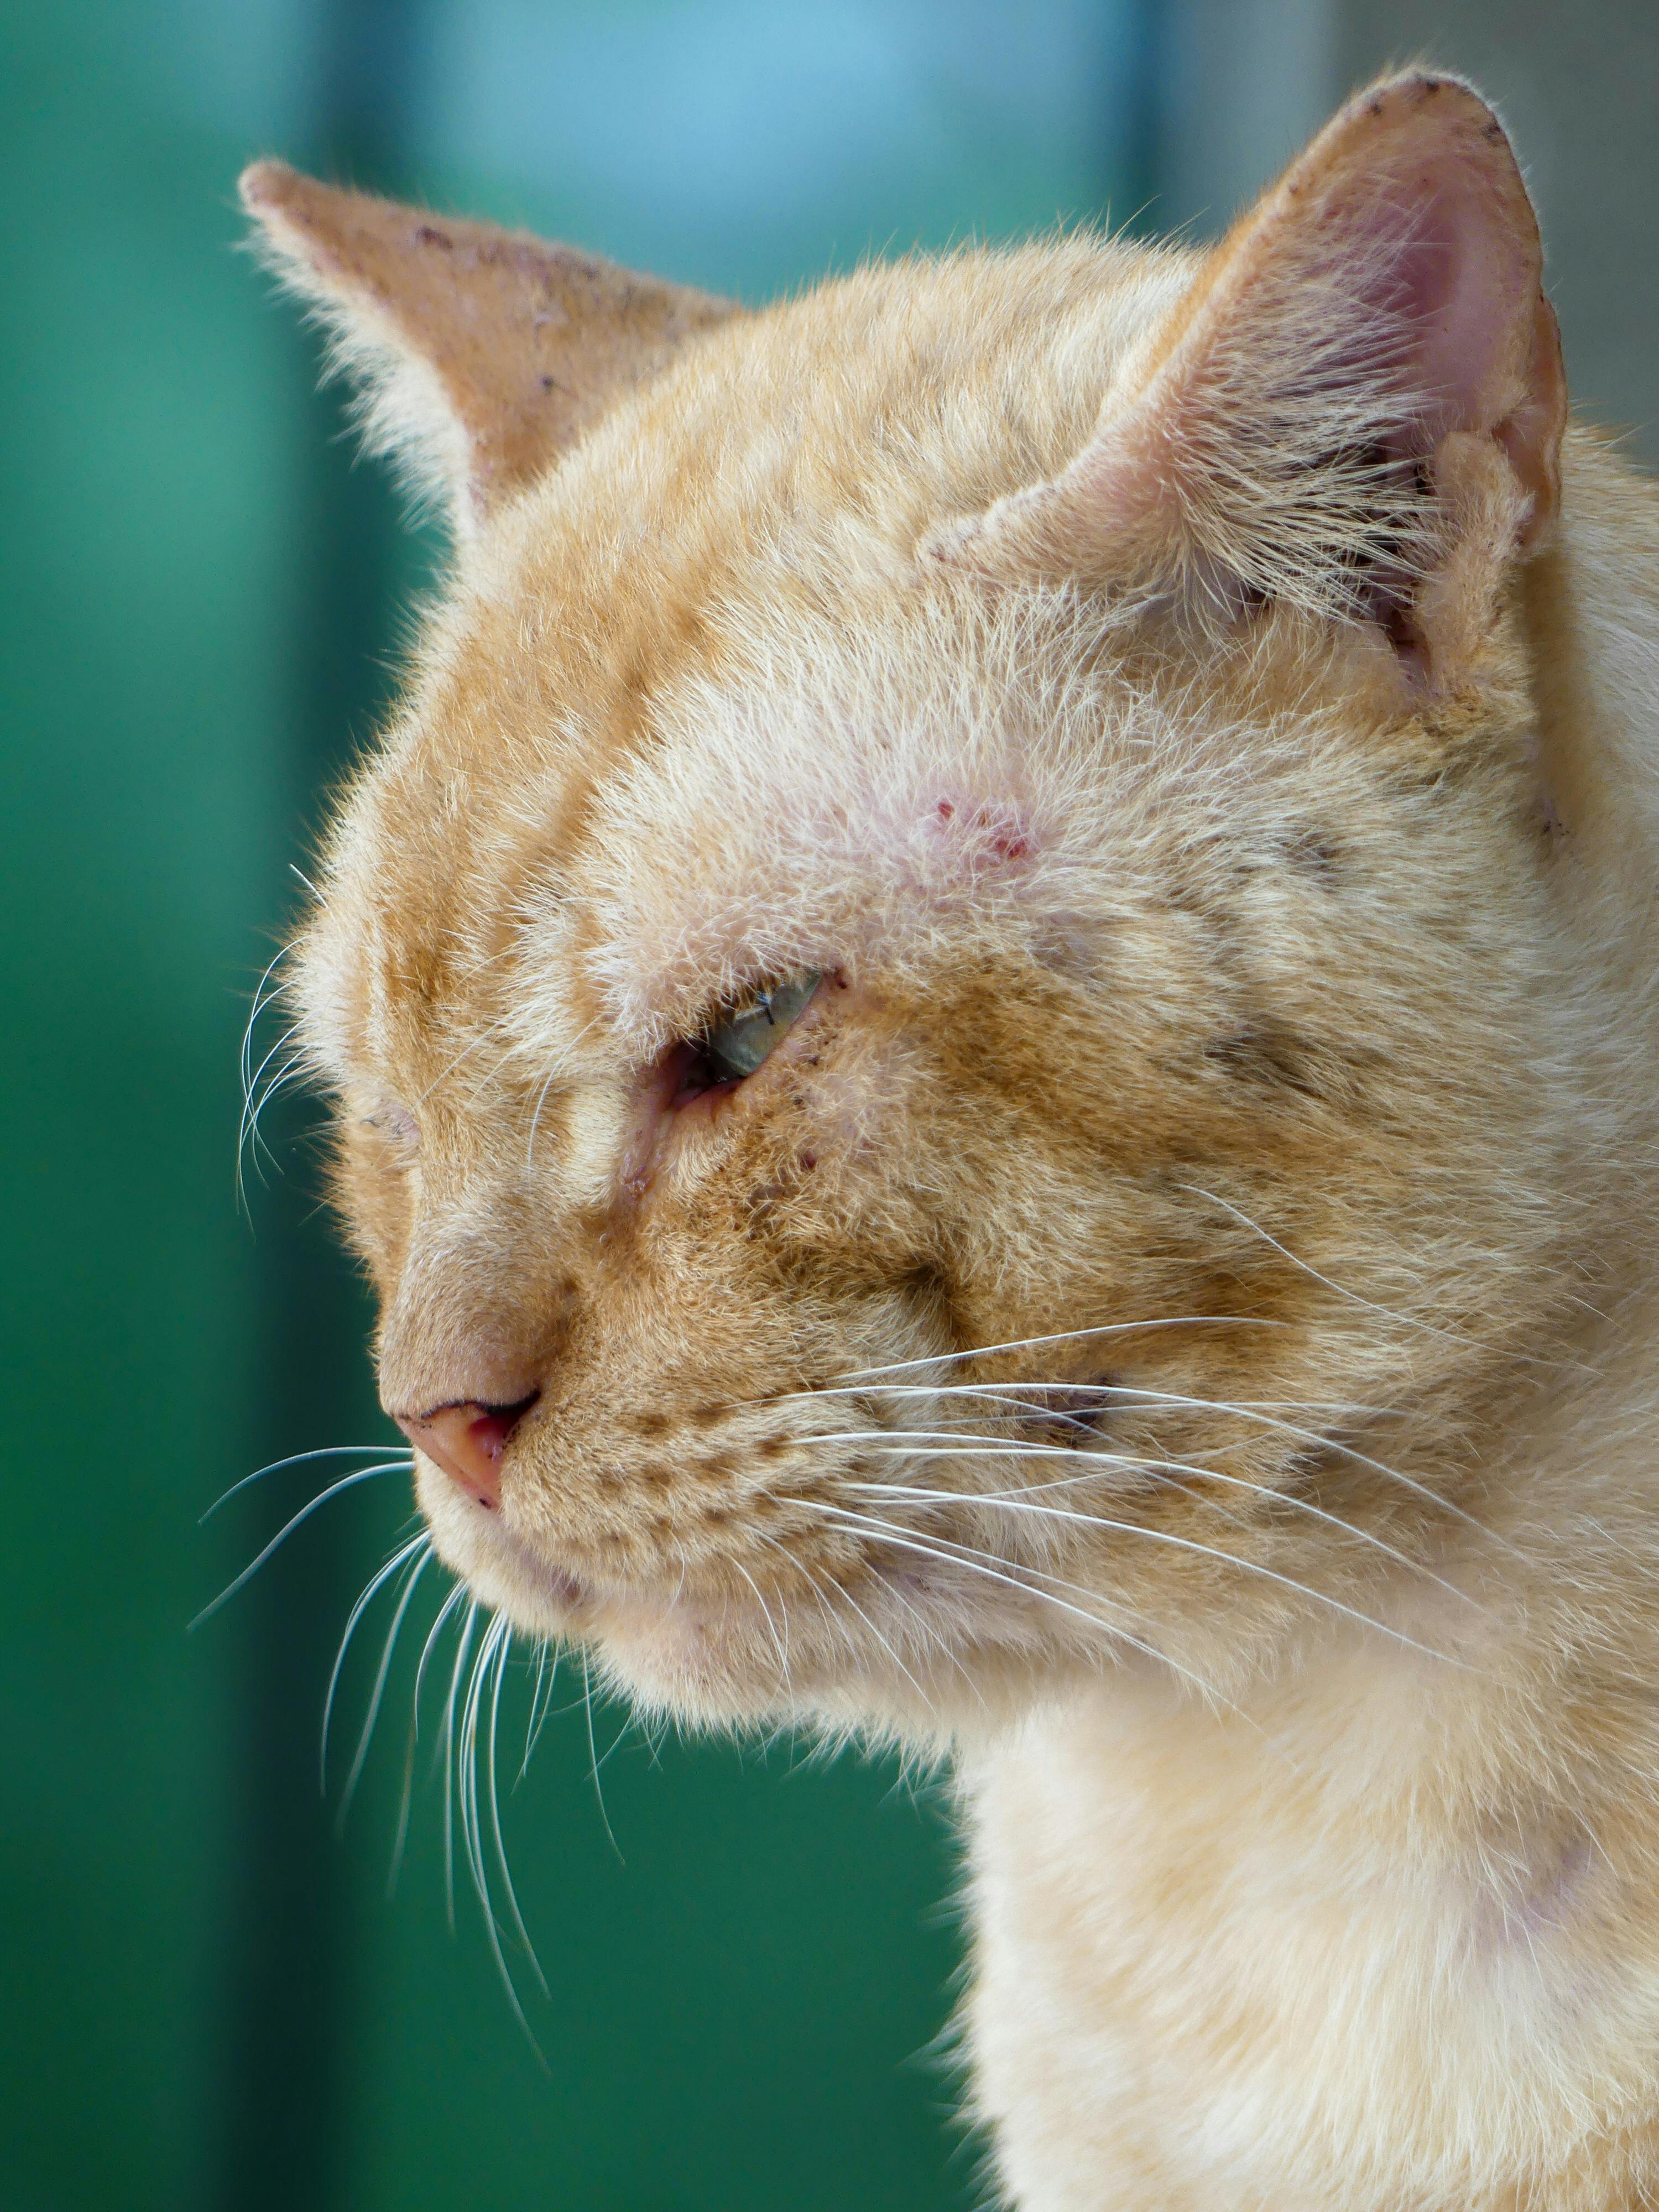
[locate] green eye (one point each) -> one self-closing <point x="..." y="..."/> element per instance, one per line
<point x="736" y="1046"/>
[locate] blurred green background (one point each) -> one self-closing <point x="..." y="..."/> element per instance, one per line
<point x="209" y="1998"/>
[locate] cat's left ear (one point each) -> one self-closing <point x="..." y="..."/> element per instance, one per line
<point x="479" y="354"/>
<point x="1356" y="410"/>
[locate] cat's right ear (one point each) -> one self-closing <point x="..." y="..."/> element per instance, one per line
<point x="479" y="354"/>
<point x="1356" y="412"/>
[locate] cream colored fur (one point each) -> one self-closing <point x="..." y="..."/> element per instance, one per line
<point x="1171" y="1325"/>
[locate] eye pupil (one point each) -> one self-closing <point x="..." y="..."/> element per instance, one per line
<point x="737" y="1043"/>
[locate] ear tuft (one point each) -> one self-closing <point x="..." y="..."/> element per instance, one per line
<point x="479" y="354"/>
<point x="1365" y="379"/>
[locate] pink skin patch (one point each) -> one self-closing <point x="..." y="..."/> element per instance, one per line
<point x="987" y="833"/>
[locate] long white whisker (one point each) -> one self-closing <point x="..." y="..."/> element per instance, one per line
<point x="1061" y="1336"/>
<point x="400" y="1831"/>
<point x="262" y="999"/>
<point x="546" y="1659"/>
<point x="888" y="1648"/>
<point x="931" y="1637"/>
<point x="495" y="1640"/>
<point x="1250" y="1413"/>
<point x="380" y="1576"/>
<point x="781" y="1647"/>
<point x="522" y="1932"/>
<point x="250" y="1138"/>
<point x="950" y="1443"/>
<point x="472" y="1834"/>
<point x="965" y="1556"/>
<point x="800" y="1567"/>
<point x="378" y="1691"/>
<point x="594" y="1757"/>
<point x="296" y="1459"/>
<point x="1341" y="1291"/>
<point x="462" y="1648"/>
<point x="457" y="1596"/>
<point x="400" y="1835"/>
<point x="346" y="1482"/>
<point x="1180" y="1543"/>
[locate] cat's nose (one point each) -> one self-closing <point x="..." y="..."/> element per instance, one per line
<point x="467" y="1440"/>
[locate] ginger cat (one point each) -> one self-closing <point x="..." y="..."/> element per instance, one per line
<point x="993" y="1017"/>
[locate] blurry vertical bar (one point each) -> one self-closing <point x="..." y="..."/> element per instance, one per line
<point x="291" y="1985"/>
<point x="1132" y="107"/>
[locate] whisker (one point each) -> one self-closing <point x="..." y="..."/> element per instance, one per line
<point x="471" y="1045"/>
<point x="766" y="1610"/>
<point x="264" y="996"/>
<point x="467" y="1771"/>
<point x="931" y="1637"/>
<point x="400" y="1831"/>
<point x="950" y="1443"/>
<point x="1180" y="1543"/>
<point x="486" y="1670"/>
<point x="561" y="1065"/>
<point x="382" y="1671"/>
<point x="462" y="1648"/>
<point x="346" y="1482"/>
<point x="888" y="1649"/>
<point x="1060" y="1336"/>
<point x="523" y="1933"/>
<point x="401" y="1834"/>
<point x="1250" y="1413"/>
<point x="295" y="1459"/>
<point x="1204" y="1472"/>
<point x="250" y="1138"/>
<point x="381" y="1574"/>
<point x="825" y="1605"/>
<point x="457" y="1596"/>
<point x="960" y="1555"/>
<point x="593" y="1758"/>
<point x="1386" y="1313"/>
<point x="549" y="1675"/>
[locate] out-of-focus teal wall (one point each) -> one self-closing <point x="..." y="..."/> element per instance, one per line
<point x="209" y="1999"/>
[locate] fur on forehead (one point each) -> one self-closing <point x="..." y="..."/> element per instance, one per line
<point x="938" y="790"/>
<point x="979" y="779"/>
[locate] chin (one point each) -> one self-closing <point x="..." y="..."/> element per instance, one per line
<point x="721" y="1663"/>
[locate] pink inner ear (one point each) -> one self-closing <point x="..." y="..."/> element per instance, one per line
<point x="1383" y="299"/>
<point x="1453" y="289"/>
<point x="1482" y="355"/>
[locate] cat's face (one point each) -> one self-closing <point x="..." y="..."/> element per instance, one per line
<point x="964" y="1110"/>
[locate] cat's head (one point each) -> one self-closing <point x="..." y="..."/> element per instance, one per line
<point x="944" y="999"/>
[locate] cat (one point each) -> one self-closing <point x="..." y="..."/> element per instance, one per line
<point x="991" y="1009"/>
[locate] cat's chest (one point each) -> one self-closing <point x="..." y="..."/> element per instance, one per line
<point x="1201" y="1969"/>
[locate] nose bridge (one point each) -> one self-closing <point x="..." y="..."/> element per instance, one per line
<point x="470" y="1320"/>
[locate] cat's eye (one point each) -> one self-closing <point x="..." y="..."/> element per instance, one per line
<point x="741" y="1040"/>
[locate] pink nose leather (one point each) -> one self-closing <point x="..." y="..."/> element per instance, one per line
<point x="467" y="1442"/>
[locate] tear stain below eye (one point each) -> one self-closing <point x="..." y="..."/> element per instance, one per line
<point x="668" y="1093"/>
